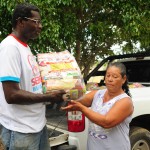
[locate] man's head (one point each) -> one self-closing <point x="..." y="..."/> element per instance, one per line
<point x="26" y="21"/>
<point x="21" y="11"/>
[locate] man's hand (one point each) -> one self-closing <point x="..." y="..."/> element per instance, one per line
<point x="57" y="96"/>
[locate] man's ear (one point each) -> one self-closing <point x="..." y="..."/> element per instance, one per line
<point x="20" y="21"/>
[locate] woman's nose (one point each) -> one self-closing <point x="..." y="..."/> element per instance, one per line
<point x="110" y="79"/>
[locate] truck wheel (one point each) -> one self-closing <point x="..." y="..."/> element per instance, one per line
<point x="139" y="138"/>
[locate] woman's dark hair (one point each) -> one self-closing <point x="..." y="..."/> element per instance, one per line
<point x="21" y="11"/>
<point x="122" y="68"/>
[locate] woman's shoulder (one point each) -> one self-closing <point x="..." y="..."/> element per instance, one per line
<point x="100" y="93"/>
<point x="124" y="95"/>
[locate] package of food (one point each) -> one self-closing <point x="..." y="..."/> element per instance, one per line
<point x="59" y="70"/>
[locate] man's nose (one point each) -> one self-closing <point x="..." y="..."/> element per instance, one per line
<point x="40" y="25"/>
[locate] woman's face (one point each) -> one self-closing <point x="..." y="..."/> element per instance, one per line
<point x="113" y="79"/>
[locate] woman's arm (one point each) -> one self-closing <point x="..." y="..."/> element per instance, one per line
<point x="119" y="112"/>
<point x="87" y="99"/>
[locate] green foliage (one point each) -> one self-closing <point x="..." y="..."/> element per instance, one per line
<point x="87" y="28"/>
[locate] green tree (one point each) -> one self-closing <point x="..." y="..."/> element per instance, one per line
<point x="87" y="28"/>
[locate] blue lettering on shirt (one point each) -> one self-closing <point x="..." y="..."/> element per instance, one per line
<point x="37" y="87"/>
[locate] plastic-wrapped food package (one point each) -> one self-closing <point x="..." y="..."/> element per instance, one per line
<point x="59" y="70"/>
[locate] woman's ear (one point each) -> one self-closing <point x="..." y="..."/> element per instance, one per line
<point x="124" y="79"/>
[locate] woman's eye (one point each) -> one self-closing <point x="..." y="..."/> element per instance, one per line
<point x="107" y="76"/>
<point x="115" y="77"/>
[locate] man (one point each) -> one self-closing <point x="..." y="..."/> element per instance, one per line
<point x="22" y="108"/>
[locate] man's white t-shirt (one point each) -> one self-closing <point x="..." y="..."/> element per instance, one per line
<point x="18" y="64"/>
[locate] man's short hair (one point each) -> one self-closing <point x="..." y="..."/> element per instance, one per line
<point x="22" y="10"/>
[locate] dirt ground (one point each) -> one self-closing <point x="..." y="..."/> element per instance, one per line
<point x="1" y="145"/>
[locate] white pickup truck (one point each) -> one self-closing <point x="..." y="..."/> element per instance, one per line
<point x="138" y="71"/>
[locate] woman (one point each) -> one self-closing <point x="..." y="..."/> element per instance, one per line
<point x="110" y="112"/>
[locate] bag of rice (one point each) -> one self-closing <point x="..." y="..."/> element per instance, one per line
<point x="59" y="70"/>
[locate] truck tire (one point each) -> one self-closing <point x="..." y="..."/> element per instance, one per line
<point x="67" y="147"/>
<point x="139" y="138"/>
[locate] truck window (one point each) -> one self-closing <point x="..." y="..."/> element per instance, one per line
<point x="138" y="71"/>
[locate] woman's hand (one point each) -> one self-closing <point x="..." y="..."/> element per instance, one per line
<point x="73" y="105"/>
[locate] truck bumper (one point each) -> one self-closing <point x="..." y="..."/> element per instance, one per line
<point x="67" y="147"/>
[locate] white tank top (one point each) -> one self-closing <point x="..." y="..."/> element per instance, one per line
<point x="116" y="138"/>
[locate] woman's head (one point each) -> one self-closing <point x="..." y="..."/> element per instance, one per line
<point x="120" y="66"/>
<point x="116" y="77"/>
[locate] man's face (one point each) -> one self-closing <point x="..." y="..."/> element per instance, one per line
<point x="32" y="26"/>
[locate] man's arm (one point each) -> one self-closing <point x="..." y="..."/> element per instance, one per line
<point x="14" y="95"/>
